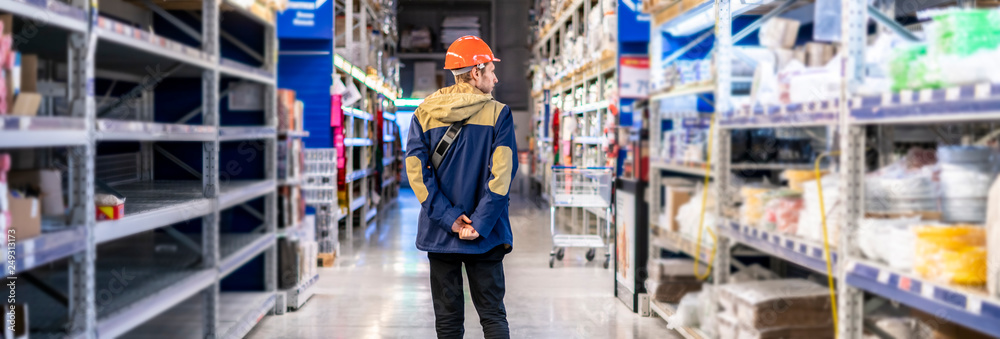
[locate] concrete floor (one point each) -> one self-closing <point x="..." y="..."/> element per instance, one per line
<point x="379" y="288"/>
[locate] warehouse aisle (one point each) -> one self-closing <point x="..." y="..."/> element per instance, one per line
<point x="383" y="292"/>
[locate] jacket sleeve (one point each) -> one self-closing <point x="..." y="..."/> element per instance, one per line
<point x="503" y="166"/>
<point x="423" y="181"/>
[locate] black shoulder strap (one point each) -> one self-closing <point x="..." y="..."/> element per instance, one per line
<point x="448" y="139"/>
<point x="445" y="144"/>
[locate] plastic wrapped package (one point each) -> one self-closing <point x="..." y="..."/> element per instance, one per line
<point x="689" y="215"/>
<point x="671" y="291"/>
<point x="709" y="310"/>
<point x="774" y="304"/>
<point x="993" y="239"/>
<point x="782" y="210"/>
<point x="688" y="312"/>
<point x="951" y="254"/>
<point x="889" y="240"/>
<point x="752" y="210"/>
<point x="796" y="178"/>
<point x="671" y="269"/>
<point x="899" y="189"/>
<point x="966" y="175"/>
<point x="753" y="272"/>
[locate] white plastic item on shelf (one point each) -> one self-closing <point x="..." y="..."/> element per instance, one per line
<point x="993" y="240"/>
<point x="709" y="310"/>
<point x="966" y="174"/>
<point x="889" y="240"/>
<point x="753" y="272"/>
<point x="688" y="312"/>
<point x="689" y="215"/>
<point x="810" y="219"/>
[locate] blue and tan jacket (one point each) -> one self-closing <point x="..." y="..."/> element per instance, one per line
<point x="474" y="176"/>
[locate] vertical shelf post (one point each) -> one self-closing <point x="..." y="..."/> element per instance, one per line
<point x="210" y="164"/>
<point x="82" y="307"/>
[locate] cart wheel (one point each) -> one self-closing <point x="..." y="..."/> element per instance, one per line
<point x="552" y="262"/>
<point x="591" y="253"/>
<point x="561" y="254"/>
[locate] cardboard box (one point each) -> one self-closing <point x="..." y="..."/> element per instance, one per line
<point x="25" y="215"/>
<point x="29" y="73"/>
<point x="779" y="33"/>
<point x="936" y="326"/>
<point x="993" y="239"/>
<point x="26" y="104"/>
<point x="48" y="182"/>
<point x="676" y="197"/>
<point x="800" y="54"/>
<point x="326" y="259"/>
<point x="818" y="54"/>
<point x="784" y="56"/>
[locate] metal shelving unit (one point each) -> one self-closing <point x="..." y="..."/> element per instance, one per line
<point x="850" y="115"/>
<point x="121" y="136"/>
<point x="578" y="92"/>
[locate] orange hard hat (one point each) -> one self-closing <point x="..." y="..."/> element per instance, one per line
<point x="468" y="51"/>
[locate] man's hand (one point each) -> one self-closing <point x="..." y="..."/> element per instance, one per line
<point x="468" y="233"/>
<point x="461" y="223"/>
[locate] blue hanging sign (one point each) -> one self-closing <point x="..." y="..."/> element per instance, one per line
<point x="306" y="19"/>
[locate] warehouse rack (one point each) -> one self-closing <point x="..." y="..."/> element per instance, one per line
<point x="364" y="61"/>
<point x="156" y="111"/>
<point x="851" y="115"/>
<point x="579" y="93"/>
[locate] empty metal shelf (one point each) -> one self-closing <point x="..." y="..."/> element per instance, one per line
<point x="17" y="132"/>
<point x="235" y="192"/>
<point x="237" y="249"/>
<point x="151" y="205"/>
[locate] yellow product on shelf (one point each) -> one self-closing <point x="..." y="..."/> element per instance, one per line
<point x="754" y="199"/>
<point x="798" y="177"/>
<point x="954" y="254"/>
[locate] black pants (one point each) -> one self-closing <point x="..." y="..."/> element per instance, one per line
<point x="486" y="282"/>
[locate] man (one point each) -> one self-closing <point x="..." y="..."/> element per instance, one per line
<point x="464" y="198"/>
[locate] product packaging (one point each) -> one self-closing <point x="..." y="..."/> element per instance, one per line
<point x="779" y="33"/>
<point x="951" y="254"/>
<point x="773" y="304"/>
<point x="993" y="239"/>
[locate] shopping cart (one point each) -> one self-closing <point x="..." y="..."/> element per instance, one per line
<point x="581" y="187"/>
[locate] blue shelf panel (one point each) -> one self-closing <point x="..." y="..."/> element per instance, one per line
<point x="967" y="307"/>
<point x="357" y="113"/>
<point x="963" y="103"/>
<point x="789" y="248"/>
<point x="357" y="142"/>
<point x="820" y="113"/>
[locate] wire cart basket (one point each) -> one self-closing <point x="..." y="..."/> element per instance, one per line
<point x="320" y="190"/>
<point x="588" y="187"/>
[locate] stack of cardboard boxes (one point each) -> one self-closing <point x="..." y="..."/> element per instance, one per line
<point x="787" y="308"/>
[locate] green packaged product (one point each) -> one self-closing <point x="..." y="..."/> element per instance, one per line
<point x="962" y="32"/>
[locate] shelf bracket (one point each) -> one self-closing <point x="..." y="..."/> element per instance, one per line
<point x="45" y="287"/>
<point x="177" y="161"/>
<point x="891" y="24"/>
<point x="196" y="111"/>
<point x="236" y="42"/>
<point x="183" y="239"/>
<point x="683" y="50"/>
<point x="173" y="20"/>
<point x="257" y="214"/>
<point x="154" y="77"/>
<point x="760" y="21"/>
